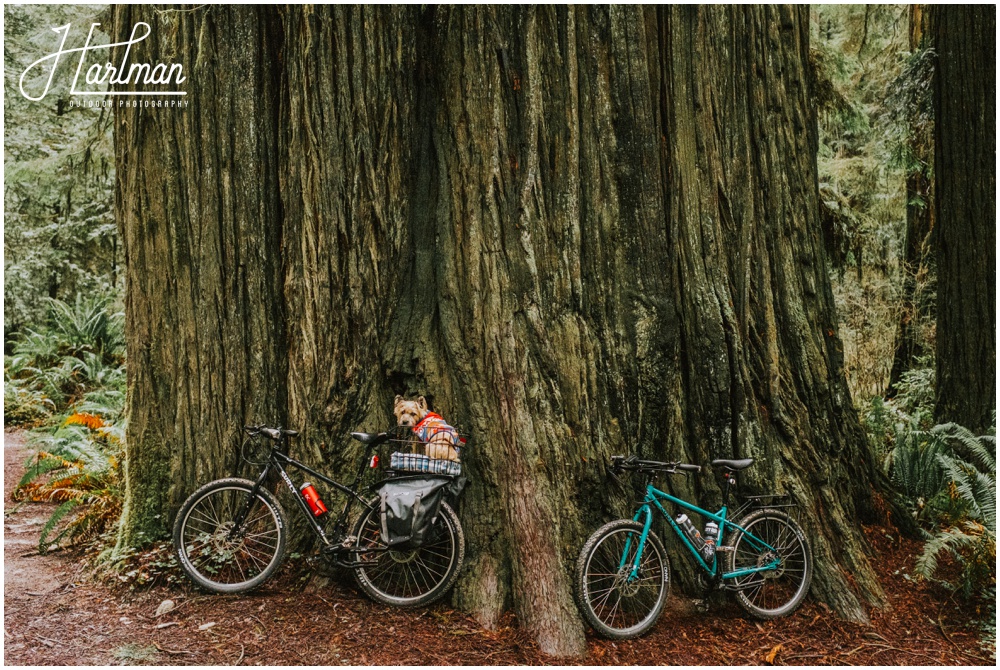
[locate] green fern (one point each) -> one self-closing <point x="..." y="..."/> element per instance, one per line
<point x="953" y="539"/>
<point x="78" y="467"/>
<point x="88" y="325"/>
<point x="44" y="543"/>
<point x="23" y="405"/>
<point x="980" y="450"/>
<point x="37" y="467"/>
<point x="913" y="463"/>
<point x="968" y="527"/>
<point x="975" y="489"/>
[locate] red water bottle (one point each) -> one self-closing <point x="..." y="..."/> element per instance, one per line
<point x="309" y="492"/>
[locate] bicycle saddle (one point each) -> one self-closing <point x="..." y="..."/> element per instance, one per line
<point x="370" y="438"/>
<point x="732" y="465"/>
<point x="276" y="433"/>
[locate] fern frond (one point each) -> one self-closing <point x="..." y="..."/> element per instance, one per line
<point x="44" y="464"/>
<point x="984" y="489"/>
<point x="91" y="421"/>
<point x="976" y="489"/>
<point x="66" y="494"/>
<point x="58" y="515"/>
<point x="978" y="450"/>
<point x="914" y="466"/>
<point x="951" y="539"/>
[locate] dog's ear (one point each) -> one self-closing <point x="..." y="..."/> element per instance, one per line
<point x="421" y="402"/>
<point x="398" y="400"/>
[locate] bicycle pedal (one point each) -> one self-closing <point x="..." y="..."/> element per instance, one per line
<point x="701" y="606"/>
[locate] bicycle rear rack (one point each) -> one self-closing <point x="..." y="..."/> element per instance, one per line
<point x="764" y="501"/>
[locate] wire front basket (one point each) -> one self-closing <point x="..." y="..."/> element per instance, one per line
<point x="439" y="452"/>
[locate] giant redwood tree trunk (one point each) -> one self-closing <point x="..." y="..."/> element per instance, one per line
<point x="965" y="189"/>
<point x="578" y="231"/>
<point x="200" y="219"/>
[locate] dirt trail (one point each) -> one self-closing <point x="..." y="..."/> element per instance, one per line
<point x="38" y="589"/>
<point x="54" y="615"/>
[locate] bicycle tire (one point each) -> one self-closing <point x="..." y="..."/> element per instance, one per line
<point x="598" y="563"/>
<point x="784" y="588"/>
<point x="409" y="577"/>
<point x="219" y="564"/>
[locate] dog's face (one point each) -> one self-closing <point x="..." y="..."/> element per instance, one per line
<point x="409" y="412"/>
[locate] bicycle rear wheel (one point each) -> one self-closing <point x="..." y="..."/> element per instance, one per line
<point x="214" y="556"/>
<point x="409" y="577"/>
<point x="777" y="592"/>
<point x="616" y="605"/>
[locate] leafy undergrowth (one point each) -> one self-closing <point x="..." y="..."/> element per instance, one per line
<point x="67" y="380"/>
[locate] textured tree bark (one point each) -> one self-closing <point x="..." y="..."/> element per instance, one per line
<point x="965" y="186"/>
<point x="917" y="257"/>
<point x="578" y="231"/>
<point x="200" y="220"/>
<point x="766" y="363"/>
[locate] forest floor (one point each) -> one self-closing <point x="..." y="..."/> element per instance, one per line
<point x="55" y="614"/>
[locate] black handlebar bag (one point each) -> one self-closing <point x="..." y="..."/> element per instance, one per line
<point x="409" y="509"/>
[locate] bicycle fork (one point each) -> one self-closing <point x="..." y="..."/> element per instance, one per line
<point x="643" y="511"/>
<point x="241" y="515"/>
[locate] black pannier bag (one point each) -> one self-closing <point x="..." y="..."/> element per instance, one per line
<point x="409" y="508"/>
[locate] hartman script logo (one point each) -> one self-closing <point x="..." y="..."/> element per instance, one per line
<point x="122" y="74"/>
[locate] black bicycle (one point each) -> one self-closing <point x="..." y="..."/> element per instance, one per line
<point x="230" y="534"/>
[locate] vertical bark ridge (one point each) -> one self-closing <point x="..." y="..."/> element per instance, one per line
<point x="346" y="162"/>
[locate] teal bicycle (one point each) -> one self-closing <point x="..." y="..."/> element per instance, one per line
<point x="623" y="577"/>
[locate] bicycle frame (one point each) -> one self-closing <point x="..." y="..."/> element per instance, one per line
<point x="645" y="515"/>
<point x="277" y="460"/>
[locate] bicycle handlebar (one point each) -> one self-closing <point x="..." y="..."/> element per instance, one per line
<point x="634" y="464"/>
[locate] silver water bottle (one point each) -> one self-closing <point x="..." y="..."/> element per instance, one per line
<point x="711" y="540"/>
<point x="696" y="539"/>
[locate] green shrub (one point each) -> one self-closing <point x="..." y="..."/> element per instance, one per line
<point x="78" y="351"/>
<point x="915" y="390"/>
<point x="24" y="406"/>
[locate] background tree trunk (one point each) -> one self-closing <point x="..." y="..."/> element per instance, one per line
<point x="965" y="189"/>
<point x="578" y="231"/>
<point x="910" y="343"/>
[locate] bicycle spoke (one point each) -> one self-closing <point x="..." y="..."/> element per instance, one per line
<point x="617" y="593"/>
<point x="216" y="554"/>
<point x="407" y="574"/>
<point x="781" y="572"/>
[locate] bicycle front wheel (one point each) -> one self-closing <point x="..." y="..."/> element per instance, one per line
<point x="771" y="592"/>
<point x="616" y="603"/>
<point x="409" y="577"/>
<point x="217" y="555"/>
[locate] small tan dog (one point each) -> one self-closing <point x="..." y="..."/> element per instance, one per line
<point x="428" y="428"/>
